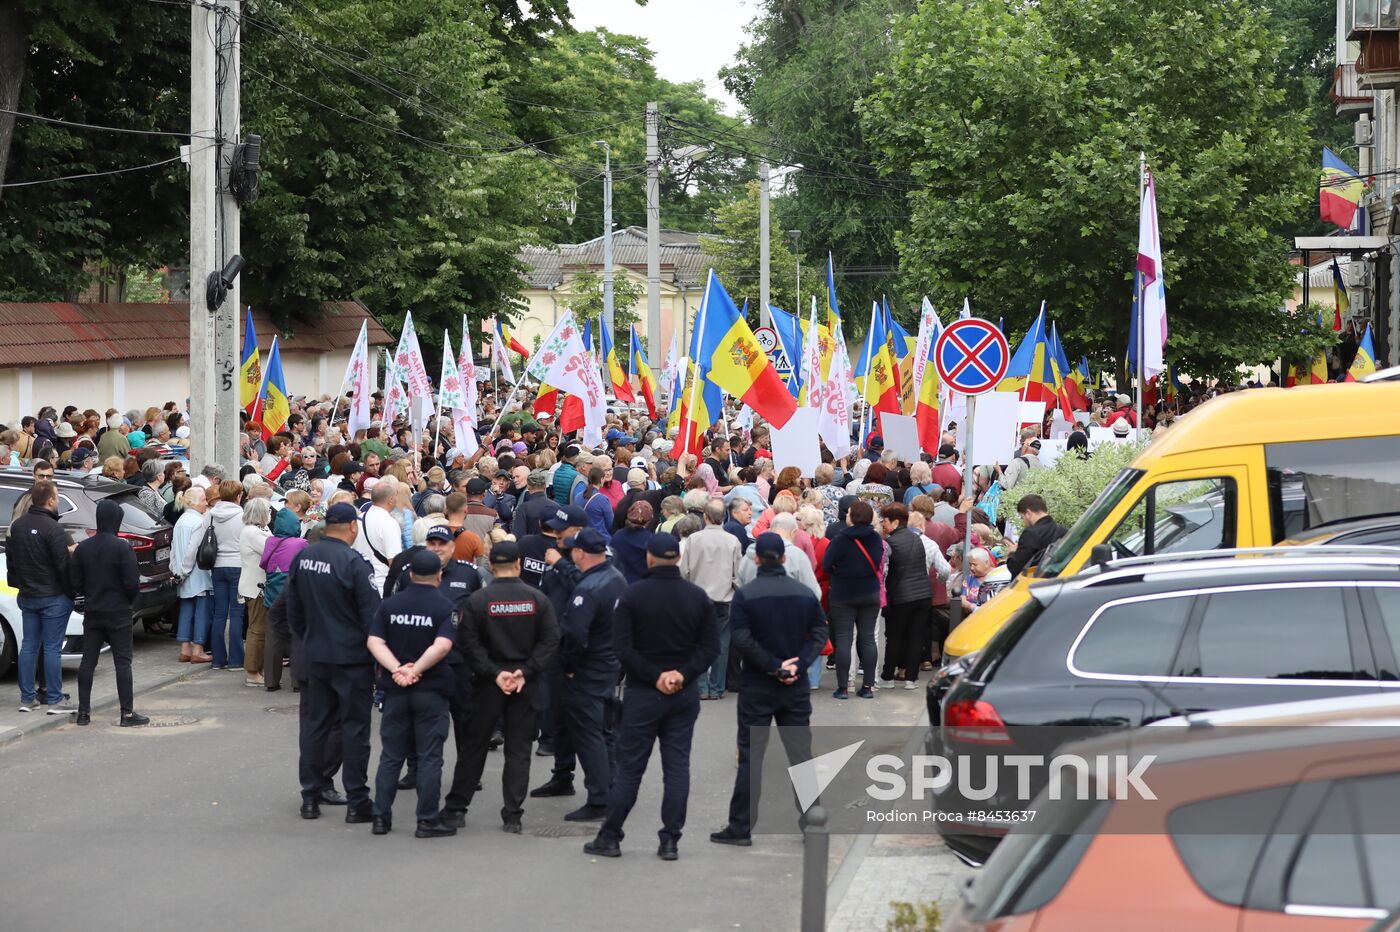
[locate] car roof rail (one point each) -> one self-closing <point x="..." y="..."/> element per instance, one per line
<point x="1115" y="570"/>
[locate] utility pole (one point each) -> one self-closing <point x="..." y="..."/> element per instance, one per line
<point x="654" y="348"/>
<point x="607" y="241"/>
<point x="214" y="233"/>
<point x="796" y="236"/>
<point x="764" y="257"/>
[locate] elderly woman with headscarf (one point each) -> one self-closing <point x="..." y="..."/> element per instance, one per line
<point x="706" y="474"/>
<point x="629" y="545"/>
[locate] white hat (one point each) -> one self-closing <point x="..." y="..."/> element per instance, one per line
<point x="1121" y="427"/>
<point x="639" y="462"/>
<point x="1122" y="400"/>
<point x="183" y="432"/>
<point x="545" y="417"/>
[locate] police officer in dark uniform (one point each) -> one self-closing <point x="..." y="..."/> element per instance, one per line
<point x="666" y="635"/>
<point x="590" y="674"/>
<point x="413" y="633"/>
<point x="531" y="510"/>
<point x="780" y="630"/>
<point x="459" y="580"/>
<point x="556" y="576"/>
<point x="331" y="601"/>
<point x="508" y="634"/>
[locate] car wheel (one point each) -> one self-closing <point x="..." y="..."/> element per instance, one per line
<point x="8" y="647"/>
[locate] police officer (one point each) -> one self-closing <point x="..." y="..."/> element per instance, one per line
<point x="590" y="674"/>
<point x="531" y="510"/>
<point x="508" y="634"/>
<point x="666" y="635"/>
<point x="331" y="600"/>
<point x="780" y="630"/>
<point x="412" y="634"/>
<point x="459" y="579"/>
<point x="555" y="576"/>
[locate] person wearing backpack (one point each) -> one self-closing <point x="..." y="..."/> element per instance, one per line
<point x="196" y="590"/>
<point x="277" y="557"/>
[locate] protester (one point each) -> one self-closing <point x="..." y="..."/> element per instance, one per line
<point x="853" y="562"/>
<point x="710" y="559"/>
<point x="107" y="579"/>
<point x="226" y="518"/>
<point x="252" y="544"/>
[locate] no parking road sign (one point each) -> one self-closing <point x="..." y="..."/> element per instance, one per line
<point x="971" y="356"/>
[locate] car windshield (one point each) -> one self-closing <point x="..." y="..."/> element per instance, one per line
<point x="1064" y="550"/>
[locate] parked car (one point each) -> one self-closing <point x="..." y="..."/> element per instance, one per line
<point x="1276" y="464"/>
<point x="1261" y="823"/>
<point x="148" y="533"/>
<point x="1149" y="638"/>
<point x="1380" y="531"/>
<point x="12" y="628"/>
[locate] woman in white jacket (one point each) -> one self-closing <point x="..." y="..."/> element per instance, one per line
<point x="196" y="585"/>
<point x="226" y="517"/>
<point x="257" y="514"/>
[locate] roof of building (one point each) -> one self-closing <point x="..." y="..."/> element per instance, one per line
<point x="682" y="262"/>
<point x="57" y="333"/>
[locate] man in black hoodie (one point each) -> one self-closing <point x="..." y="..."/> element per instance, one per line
<point x="107" y="579"/>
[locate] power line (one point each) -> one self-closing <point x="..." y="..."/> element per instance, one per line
<point x="98" y="128"/>
<point x="101" y="174"/>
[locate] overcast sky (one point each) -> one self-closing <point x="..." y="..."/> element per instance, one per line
<point x="692" y="39"/>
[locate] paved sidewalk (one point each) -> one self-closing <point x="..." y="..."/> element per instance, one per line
<point x="913" y="869"/>
<point x="154" y="663"/>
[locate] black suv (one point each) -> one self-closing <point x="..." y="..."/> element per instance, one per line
<point x="148" y="534"/>
<point x="1137" y="640"/>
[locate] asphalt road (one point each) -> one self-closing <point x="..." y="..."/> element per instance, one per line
<point x="193" y="823"/>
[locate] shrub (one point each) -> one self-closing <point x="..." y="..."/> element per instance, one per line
<point x="1072" y="485"/>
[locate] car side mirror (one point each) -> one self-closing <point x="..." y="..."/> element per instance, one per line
<point x="1101" y="555"/>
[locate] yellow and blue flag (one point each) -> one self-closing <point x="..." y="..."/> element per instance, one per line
<point x="876" y="371"/>
<point x="1365" y="362"/>
<point x="1339" y="191"/>
<point x="275" y="406"/>
<point x="638" y="362"/>
<point x="249" y="368"/>
<point x="622" y="388"/>
<point x="734" y="361"/>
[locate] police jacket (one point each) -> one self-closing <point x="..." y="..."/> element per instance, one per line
<point x="663" y="622"/>
<point x="533" y="508"/>
<point x="586" y="644"/>
<point x="103" y="567"/>
<point x="459" y="580"/>
<point x="507" y="626"/>
<point x="331" y="601"/>
<point x="36" y="554"/>
<point x="906" y="579"/>
<point x="773" y="618"/>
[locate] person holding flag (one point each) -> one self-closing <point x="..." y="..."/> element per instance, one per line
<point x="249" y="369"/>
<point x="637" y="360"/>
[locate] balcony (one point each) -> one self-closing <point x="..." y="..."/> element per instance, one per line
<point x="1348" y="94"/>
<point x="1375" y="26"/>
<point x="1365" y="16"/>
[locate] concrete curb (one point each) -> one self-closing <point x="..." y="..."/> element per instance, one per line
<point x="44" y="722"/>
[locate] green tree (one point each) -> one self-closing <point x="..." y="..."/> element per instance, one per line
<point x="586" y="299"/>
<point x="1021" y="126"/>
<point x="734" y="253"/>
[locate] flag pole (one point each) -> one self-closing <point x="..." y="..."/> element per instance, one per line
<point x="865" y="402"/>
<point x="1141" y="317"/>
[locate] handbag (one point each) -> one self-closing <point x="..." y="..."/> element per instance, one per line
<point x="879" y="576"/>
<point x="208" y="553"/>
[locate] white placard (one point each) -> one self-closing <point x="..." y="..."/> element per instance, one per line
<point x="1051" y="451"/>
<point x="796" y="443"/>
<point x="901" y="433"/>
<point x="1033" y="412"/>
<point x="1059" y="427"/>
<point x="995" y="426"/>
<point x="956" y="413"/>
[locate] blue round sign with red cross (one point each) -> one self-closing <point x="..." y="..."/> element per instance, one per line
<point x="971" y="356"/>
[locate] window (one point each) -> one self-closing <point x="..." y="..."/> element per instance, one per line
<point x="1341" y="863"/>
<point x="1178" y="517"/>
<point x="1031" y="867"/>
<point x="135" y="517"/>
<point x="66" y="506"/>
<point x="1289" y="632"/>
<point x="1059" y="554"/>
<point x="1219" y="840"/>
<point x="1134" y="638"/>
<point x="1320" y="482"/>
<point x="1389" y="600"/>
<point x="8" y="498"/>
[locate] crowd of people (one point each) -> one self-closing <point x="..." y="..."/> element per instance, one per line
<point x="559" y="599"/>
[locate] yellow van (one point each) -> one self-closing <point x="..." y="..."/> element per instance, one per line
<point x="1247" y="469"/>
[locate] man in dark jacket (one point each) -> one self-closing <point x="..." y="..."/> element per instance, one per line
<point x="779" y="629"/>
<point x="534" y="506"/>
<point x="106" y="577"/>
<point x="666" y="634"/>
<point x="590" y="669"/>
<point x="331" y="601"/>
<point x="1040" y="531"/>
<point x="37" y="565"/>
<point x="508" y="635"/>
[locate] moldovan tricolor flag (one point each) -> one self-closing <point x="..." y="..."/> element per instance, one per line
<point x="622" y="389"/>
<point x="563" y="362"/>
<point x="1339" y="297"/>
<point x="1153" y="305"/>
<point x="249" y="369"/>
<point x="876" y="371"/>
<point x="275" y="406"/>
<point x="638" y="360"/>
<point x="508" y="339"/>
<point x="926" y="381"/>
<point x="357" y="376"/>
<point x="736" y="363"/>
<point x="499" y="354"/>
<point x="1365" y="362"/>
<point x="1339" y="192"/>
